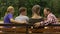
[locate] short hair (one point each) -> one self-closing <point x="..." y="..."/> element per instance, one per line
<point x="22" y="9"/>
<point x="36" y="9"/>
<point x="48" y="9"/>
<point x="10" y="7"/>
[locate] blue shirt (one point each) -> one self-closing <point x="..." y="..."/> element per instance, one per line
<point x="7" y="18"/>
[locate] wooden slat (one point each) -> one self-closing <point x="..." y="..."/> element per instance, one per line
<point x="48" y="29"/>
<point x="23" y="30"/>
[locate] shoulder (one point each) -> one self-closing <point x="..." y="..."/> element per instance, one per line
<point x="51" y="15"/>
<point x="9" y="14"/>
<point x="41" y="17"/>
<point x="26" y="17"/>
<point x="36" y="18"/>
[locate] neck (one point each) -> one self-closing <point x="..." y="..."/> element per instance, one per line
<point x="35" y="16"/>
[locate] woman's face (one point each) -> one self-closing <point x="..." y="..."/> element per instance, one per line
<point x="11" y="10"/>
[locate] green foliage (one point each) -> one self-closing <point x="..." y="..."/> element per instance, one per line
<point x="53" y="4"/>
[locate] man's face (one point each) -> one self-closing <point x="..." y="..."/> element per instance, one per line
<point x="45" y="12"/>
<point x="24" y="13"/>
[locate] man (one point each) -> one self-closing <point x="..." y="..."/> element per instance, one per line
<point x="22" y="16"/>
<point x="51" y="18"/>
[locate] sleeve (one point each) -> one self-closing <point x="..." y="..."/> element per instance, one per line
<point x="17" y="19"/>
<point x="48" y="21"/>
<point x="10" y="16"/>
<point x="27" y="18"/>
<point x="42" y="19"/>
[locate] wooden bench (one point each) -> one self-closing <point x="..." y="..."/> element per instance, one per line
<point x="23" y="30"/>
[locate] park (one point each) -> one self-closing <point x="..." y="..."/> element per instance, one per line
<point x="29" y="6"/>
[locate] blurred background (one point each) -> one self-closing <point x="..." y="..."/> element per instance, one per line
<point x="53" y="4"/>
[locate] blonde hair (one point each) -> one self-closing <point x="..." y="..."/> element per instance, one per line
<point x="10" y="7"/>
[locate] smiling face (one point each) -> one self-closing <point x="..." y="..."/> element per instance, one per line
<point x="10" y="9"/>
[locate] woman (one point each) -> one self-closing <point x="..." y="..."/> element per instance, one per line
<point x="35" y="16"/>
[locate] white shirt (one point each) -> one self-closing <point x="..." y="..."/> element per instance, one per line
<point x="22" y="18"/>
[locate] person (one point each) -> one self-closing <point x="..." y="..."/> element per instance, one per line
<point x="22" y="16"/>
<point x="35" y="15"/>
<point x="51" y="18"/>
<point x="8" y="18"/>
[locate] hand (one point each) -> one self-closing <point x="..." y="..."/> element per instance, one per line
<point x="37" y="24"/>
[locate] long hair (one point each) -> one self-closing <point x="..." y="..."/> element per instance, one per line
<point x="8" y="9"/>
<point x="36" y="9"/>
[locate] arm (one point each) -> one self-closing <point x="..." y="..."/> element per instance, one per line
<point x="48" y="21"/>
<point x="12" y="20"/>
<point x="20" y="21"/>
